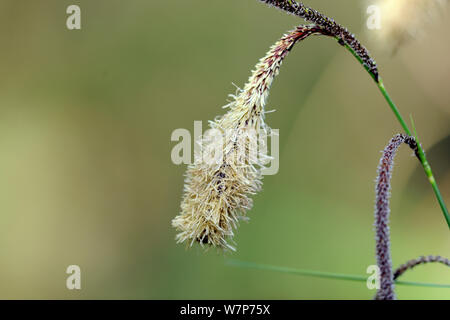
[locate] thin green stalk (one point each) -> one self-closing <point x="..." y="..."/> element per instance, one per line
<point x="393" y="106"/>
<point x="328" y="275"/>
<point x="429" y="173"/>
<point x="423" y="160"/>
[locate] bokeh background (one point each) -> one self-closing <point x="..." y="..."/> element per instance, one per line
<point x="86" y="118"/>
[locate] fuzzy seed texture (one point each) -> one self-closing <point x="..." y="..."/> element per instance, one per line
<point x="217" y="194"/>
<point x="382" y="212"/>
<point x="418" y="261"/>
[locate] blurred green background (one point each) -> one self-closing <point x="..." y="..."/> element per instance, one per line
<point x="86" y="175"/>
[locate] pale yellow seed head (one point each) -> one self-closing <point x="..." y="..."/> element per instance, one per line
<point x="217" y="194"/>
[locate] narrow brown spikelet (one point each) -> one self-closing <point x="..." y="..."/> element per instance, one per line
<point x="331" y="27"/>
<point x="383" y="246"/>
<point x="421" y="260"/>
<point x="382" y="211"/>
<point x="217" y="194"/>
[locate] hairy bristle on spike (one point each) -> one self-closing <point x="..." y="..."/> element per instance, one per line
<point x="217" y="194"/>
<point x="421" y="260"/>
<point x="382" y="211"/>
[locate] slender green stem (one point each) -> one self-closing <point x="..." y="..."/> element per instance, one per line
<point x="423" y="160"/>
<point x="429" y="173"/>
<point x="328" y="275"/>
<point x="393" y="106"/>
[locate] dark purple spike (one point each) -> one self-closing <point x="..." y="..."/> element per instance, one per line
<point x="332" y="29"/>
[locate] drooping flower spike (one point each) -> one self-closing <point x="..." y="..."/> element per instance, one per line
<point x="217" y="194"/>
<point x="421" y="260"/>
<point x="382" y="212"/>
<point x="331" y="27"/>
